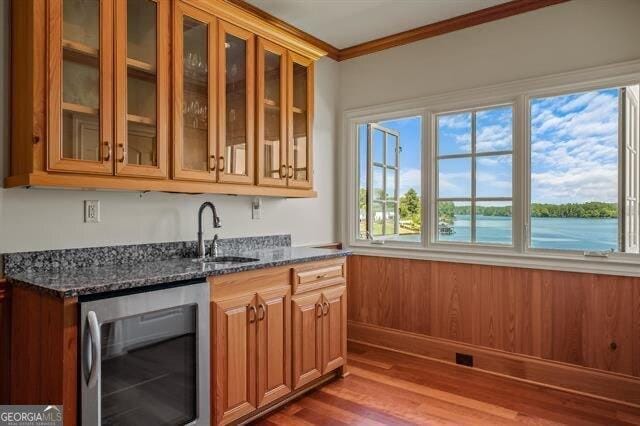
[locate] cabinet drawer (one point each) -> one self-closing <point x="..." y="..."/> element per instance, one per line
<point x="317" y="275"/>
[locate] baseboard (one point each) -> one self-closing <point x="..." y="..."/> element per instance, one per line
<point x="571" y="378"/>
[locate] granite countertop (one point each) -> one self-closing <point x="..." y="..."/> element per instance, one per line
<point x="78" y="281"/>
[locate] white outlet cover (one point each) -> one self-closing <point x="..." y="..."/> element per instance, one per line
<point x="91" y="211"/>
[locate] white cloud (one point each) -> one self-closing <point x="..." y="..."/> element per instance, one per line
<point x="410" y="178"/>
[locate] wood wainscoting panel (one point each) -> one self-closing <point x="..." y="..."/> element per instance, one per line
<point x="579" y="380"/>
<point x="576" y="318"/>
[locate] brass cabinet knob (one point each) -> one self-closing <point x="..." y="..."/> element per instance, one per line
<point x="252" y="319"/>
<point x="123" y="152"/>
<point x="107" y="146"/>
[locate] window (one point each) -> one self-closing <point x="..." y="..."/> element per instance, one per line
<point x="389" y="188"/>
<point x="474" y="176"/>
<point x="510" y="174"/>
<point x="584" y="171"/>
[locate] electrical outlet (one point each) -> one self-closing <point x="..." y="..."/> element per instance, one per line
<point x="464" y="359"/>
<point x="256" y="208"/>
<point x="91" y="211"/>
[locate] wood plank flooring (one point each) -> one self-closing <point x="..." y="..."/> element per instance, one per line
<point x="388" y="388"/>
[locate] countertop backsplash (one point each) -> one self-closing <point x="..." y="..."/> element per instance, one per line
<point x="128" y="254"/>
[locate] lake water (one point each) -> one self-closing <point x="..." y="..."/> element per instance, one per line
<point x="549" y="233"/>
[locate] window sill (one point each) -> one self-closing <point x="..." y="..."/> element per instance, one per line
<point x="569" y="263"/>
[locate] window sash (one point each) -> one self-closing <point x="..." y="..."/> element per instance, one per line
<point x="473" y="155"/>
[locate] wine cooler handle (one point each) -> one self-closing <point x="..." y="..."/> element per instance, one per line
<point x="94" y="335"/>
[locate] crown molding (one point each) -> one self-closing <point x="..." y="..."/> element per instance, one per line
<point x="478" y="17"/>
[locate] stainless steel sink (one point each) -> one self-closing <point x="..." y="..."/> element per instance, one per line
<point x="226" y="259"/>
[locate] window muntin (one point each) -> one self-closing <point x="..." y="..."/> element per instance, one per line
<point x="474" y="176"/>
<point x="389" y="174"/>
<point x="582" y="172"/>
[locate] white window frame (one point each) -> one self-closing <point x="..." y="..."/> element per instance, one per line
<point x="518" y="93"/>
<point x="473" y="156"/>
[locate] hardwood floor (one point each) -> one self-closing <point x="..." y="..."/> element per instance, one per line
<point x="386" y="387"/>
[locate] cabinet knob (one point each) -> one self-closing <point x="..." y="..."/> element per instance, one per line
<point x="325" y="308"/>
<point x="212" y="163"/>
<point x="290" y="172"/>
<point x="221" y="162"/>
<point x="123" y="152"/>
<point x="252" y="319"/>
<point x="107" y="146"/>
<point x="283" y="171"/>
<point x="319" y="313"/>
<point x="262" y="311"/>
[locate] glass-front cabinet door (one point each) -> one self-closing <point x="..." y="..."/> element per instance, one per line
<point x="142" y="87"/>
<point x="300" y="122"/>
<point x="272" y="114"/>
<point x="194" y="94"/>
<point x="235" y="104"/>
<point x="80" y="93"/>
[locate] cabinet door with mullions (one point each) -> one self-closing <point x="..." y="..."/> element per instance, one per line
<point x="272" y="114"/>
<point x="194" y="94"/>
<point x="142" y="87"/>
<point x="236" y="58"/>
<point x="300" y="121"/>
<point x="80" y="49"/>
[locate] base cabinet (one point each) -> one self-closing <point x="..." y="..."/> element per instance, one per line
<point x="268" y="344"/>
<point x="252" y="352"/>
<point x="319" y="333"/>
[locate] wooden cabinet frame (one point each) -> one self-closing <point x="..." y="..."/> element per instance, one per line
<point x="180" y="11"/>
<point x="56" y="160"/>
<point x="163" y="25"/>
<point x="36" y="89"/>
<point x="263" y="47"/>
<point x="294" y="58"/>
<point x="225" y="28"/>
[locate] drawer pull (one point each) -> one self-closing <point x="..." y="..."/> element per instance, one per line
<point x="319" y="314"/>
<point x="262" y="309"/>
<point x="321" y="276"/>
<point x="325" y="305"/>
<point x="252" y="319"/>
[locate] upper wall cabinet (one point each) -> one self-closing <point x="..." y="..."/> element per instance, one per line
<point x="142" y="87"/>
<point x="159" y="95"/>
<point x="285" y="114"/>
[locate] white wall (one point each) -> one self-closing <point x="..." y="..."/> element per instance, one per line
<point x="38" y="219"/>
<point x="564" y="37"/>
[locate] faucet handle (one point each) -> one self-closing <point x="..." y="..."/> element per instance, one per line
<point x="214" y="246"/>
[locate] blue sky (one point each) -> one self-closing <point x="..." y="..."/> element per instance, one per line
<point x="574" y="150"/>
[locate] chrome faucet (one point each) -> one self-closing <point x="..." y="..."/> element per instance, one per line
<point x="216" y="224"/>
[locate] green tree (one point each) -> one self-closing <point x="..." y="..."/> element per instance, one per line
<point x="409" y="205"/>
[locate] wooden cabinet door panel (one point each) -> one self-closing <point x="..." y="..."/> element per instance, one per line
<point x="80" y="86"/>
<point x="194" y="89"/>
<point x="142" y="64"/>
<point x="300" y="121"/>
<point x="307" y="338"/>
<point x="274" y="344"/>
<point x="334" y="328"/>
<point x="271" y="149"/>
<point x="236" y="99"/>
<point x="235" y="357"/>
